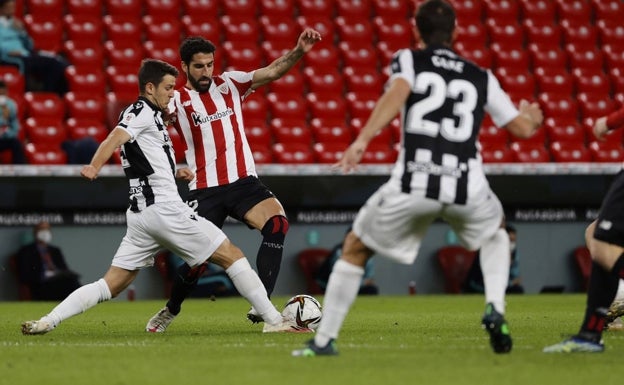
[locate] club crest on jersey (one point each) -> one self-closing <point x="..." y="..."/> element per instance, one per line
<point x="223" y="88"/>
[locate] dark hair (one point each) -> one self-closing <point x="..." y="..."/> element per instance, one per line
<point x="195" y="44"/>
<point x="3" y="84"/>
<point x="435" y="20"/>
<point x="153" y="71"/>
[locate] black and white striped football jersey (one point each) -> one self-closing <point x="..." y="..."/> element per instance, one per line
<point x="440" y="121"/>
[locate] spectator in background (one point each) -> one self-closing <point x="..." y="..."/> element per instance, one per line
<point x="474" y="280"/>
<point x="43" y="71"/>
<point x="42" y="267"/>
<point x="10" y="126"/>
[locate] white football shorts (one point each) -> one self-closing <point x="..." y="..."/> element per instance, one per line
<point x="170" y="225"/>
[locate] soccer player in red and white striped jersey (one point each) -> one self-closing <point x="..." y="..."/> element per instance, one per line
<point x="207" y="112"/>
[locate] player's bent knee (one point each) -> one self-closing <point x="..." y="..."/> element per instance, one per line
<point x="277" y="224"/>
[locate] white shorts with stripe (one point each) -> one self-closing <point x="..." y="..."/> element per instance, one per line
<point x="394" y="224"/>
<point x="170" y="225"/>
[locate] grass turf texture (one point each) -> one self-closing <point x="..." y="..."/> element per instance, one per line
<point x="385" y="340"/>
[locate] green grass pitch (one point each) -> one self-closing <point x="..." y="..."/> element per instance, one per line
<point x="428" y="339"/>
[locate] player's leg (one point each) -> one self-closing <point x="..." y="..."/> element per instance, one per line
<point x="616" y="310"/>
<point x="82" y="299"/>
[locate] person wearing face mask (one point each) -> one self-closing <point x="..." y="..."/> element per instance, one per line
<point x="474" y="279"/>
<point x="42" y="267"/>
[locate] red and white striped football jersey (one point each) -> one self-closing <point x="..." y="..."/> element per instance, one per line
<point x="211" y="124"/>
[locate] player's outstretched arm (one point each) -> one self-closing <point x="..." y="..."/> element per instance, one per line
<point x="283" y="64"/>
<point x="603" y="125"/>
<point x="116" y="138"/>
<point x="528" y="120"/>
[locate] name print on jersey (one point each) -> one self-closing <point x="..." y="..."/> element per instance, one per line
<point x="199" y="118"/>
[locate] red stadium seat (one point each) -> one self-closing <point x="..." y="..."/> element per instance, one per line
<point x="85" y="106"/>
<point x="516" y="58"/>
<point x="489" y="134"/>
<point x="328" y="152"/>
<point x="613" y="135"/>
<point x="179" y="147"/>
<point x="284" y="9"/>
<point x="167" y="8"/>
<point x="325" y="9"/>
<point x="595" y="105"/>
<point x="261" y="154"/>
<point x="239" y="28"/>
<point x="570" y="152"/>
<point x="123" y="28"/>
<point x="324" y="25"/>
<point x="585" y="58"/>
<point x="579" y="35"/>
<point x="163" y="50"/>
<point x="115" y="103"/>
<point x="508" y="35"/>
<point x="324" y="81"/>
<point x="527" y="152"/>
<point x="132" y="9"/>
<point x="357" y="54"/>
<point x="44" y="104"/>
<point x="91" y="8"/>
<point x="516" y="81"/>
<point x="14" y="79"/>
<point x="469" y="10"/>
<point x="607" y="151"/>
<point x="393" y="9"/>
<point x="83" y="28"/>
<point x="610" y="32"/>
<point x="258" y="133"/>
<point x="361" y="104"/>
<point x="542" y="57"/>
<point x="122" y="79"/>
<point x="472" y="33"/>
<point x="539" y="138"/>
<point x="616" y="76"/>
<point x="292" y="153"/>
<point x="353" y="29"/>
<point x="614" y="58"/>
<point x="118" y="53"/>
<point x="326" y="105"/>
<point x="247" y="8"/>
<point x="455" y="262"/>
<point x="325" y="57"/>
<point x="44" y="154"/>
<point x="274" y="49"/>
<point x="195" y="24"/>
<point x="578" y="11"/>
<point x="558" y="105"/>
<point x="163" y="29"/>
<point x="291" y="82"/>
<point x="51" y="9"/>
<point x="201" y="8"/>
<point x="46" y="32"/>
<point x="284" y="105"/>
<point x="293" y="130"/>
<point x="45" y="130"/>
<point x="277" y="28"/>
<point x="547" y="36"/>
<point x="84" y="54"/>
<point x="255" y="107"/>
<point x="551" y="79"/>
<point x="564" y="129"/>
<point x="242" y="55"/>
<point x="83" y="128"/>
<point x="481" y="55"/>
<point x="331" y="130"/>
<point x="383" y="137"/>
<point x="590" y="81"/>
<point x="354" y="9"/>
<point x="494" y="153"/>
<point x="507" y="11"/>
<point x="310" y="261"/>
<point x="362" y="80"/>
<point x="542" y="12"/>
<point x="388" y="29"/>
<point x="83" y="79"/>
<point x="608" y="10"/>
<point x="377" y="153"/>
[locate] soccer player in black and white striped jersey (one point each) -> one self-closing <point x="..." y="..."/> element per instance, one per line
<point x="441" y="98"/>
<point x="157" y="217"/>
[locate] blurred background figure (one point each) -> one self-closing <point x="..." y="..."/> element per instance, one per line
<point x="10" y="126"/>
<point x="44" y="71"/>
<point x="474" y="280"/>
<point x="214" y="282"/>
<point x="42" y="267"/>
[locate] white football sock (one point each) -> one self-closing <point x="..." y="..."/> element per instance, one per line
<point x="495" y="260"/>
<point x="619" y="296"/>
<point x="249" y="286"/>
<point x="342" y="288"/>
<point x="79" y="301"/>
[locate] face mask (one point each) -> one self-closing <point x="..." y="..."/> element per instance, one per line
<point x="512" y="246"/>
<point x="3" y="100"/>
<point x="44" y="236"/>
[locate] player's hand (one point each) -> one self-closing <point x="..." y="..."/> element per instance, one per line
<point x="169" y="117"/>
<point x="185" y="174"/>
<point x="351" y="157"/>
<point x="307" y="39"/>
<point x="532" y="111"/>
<point x="600" y="128"/>
<point x="89" y="172"/>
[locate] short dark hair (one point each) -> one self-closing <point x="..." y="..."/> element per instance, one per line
<point x="3" y="84"/>
<point x="153" y="71"/>
<point x="435" y="20"/>
<point x="195" y="44"/>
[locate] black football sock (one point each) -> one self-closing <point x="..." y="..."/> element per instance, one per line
<point x="600" y="294"/>
<point x="184" y="283"/>
<point x="618" y="267"/>
<point x="269" y="256"/>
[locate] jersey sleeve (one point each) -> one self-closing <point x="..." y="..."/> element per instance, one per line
<point x="402" y="67"/>
<point x="615" y="119"/>
<point x="240" y="80"/>
<point x="499" y="105"/>
<point x="135" y="119"/>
